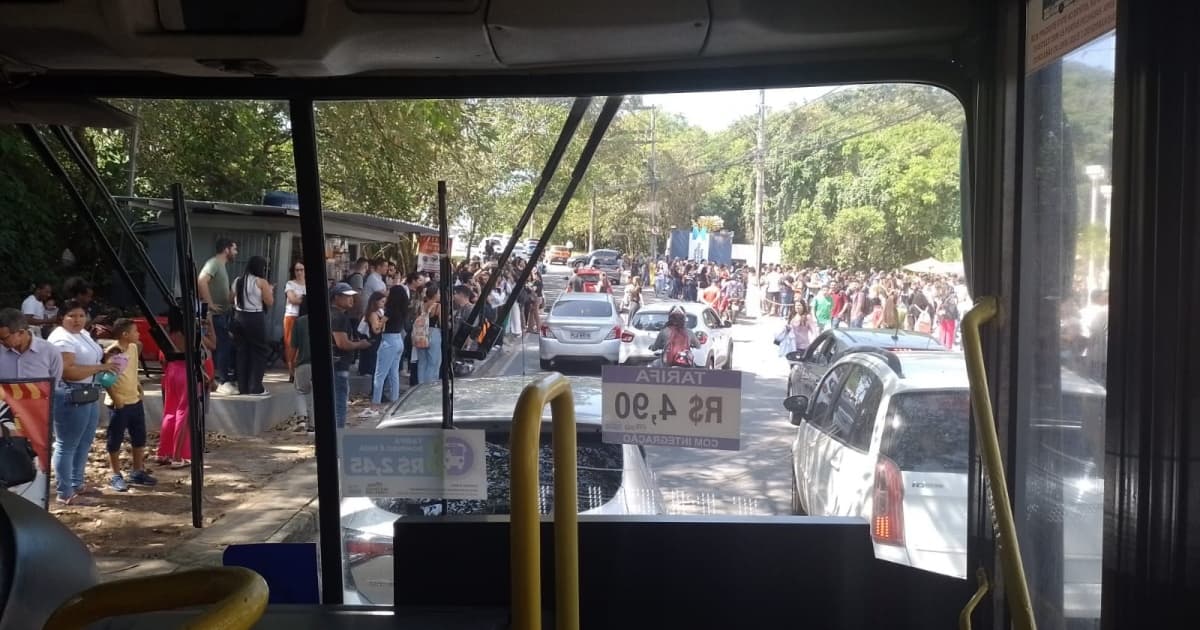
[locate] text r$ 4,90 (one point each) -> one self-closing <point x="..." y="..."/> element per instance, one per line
<point x="701" y="409"/>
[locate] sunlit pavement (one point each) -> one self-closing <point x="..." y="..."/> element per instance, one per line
<point x="753" y="481"/>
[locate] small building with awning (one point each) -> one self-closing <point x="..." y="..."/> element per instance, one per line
<point x="270" y="231"/>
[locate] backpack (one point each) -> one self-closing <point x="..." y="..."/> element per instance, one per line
<point x="420" y="331"/>
<point x="679" y="345"/>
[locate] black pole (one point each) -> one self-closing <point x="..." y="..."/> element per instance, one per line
<point x="560" y="147"/>
<point x="189" y="305"/>
<point x="607" y="113"/>
<point x="48" y="158"/>
<point x="312" y="241"/>
<point x="71" y="144"/>
<point x="447" y="372"/>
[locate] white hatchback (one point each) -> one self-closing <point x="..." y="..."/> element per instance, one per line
<point x="886" y="437"/>
<point x="716" y="344"/>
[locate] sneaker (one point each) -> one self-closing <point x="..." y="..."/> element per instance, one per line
<point x="263" y="394"/>
<point x="142" y="478"/>
<point x="118" y="483"/>
<point x="227" y="389"/>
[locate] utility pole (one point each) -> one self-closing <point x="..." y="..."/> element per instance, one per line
<point x="133" y="147"/>
<point x="592" y="224"/>
<point x="653" y="187"/>
<point x="760" y="179"/>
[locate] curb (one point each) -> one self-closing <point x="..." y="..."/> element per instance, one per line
<point x="301" y="527"/>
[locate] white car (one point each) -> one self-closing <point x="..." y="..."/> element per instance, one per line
<point x="580" y="327"/>
<point x="613" y="479"/>
<point x="716" y="344"/>
<point x="886" y="438"/>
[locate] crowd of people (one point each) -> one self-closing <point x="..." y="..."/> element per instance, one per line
<point x="386" y="324"/>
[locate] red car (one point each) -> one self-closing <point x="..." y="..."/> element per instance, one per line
<point x="594" y="281"/>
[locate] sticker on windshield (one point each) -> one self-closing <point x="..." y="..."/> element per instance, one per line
<point x="414" y="464"/>
<point x="688" y="407"/>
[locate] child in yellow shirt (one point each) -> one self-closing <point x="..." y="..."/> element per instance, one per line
<point x="128" y="413"/>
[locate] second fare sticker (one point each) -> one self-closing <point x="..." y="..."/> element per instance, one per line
<point x="688" y="407"/>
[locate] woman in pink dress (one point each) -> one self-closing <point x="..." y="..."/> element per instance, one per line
<point x="175" y="437"/>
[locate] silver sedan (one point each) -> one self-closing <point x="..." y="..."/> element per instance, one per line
<point x="581" y="327"/>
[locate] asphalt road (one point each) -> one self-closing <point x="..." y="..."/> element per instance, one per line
<point x="752" y="481"/>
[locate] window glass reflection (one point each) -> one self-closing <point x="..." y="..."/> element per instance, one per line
<point x="1063" y="328"/>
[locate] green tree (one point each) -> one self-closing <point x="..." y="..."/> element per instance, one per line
<point x="859" y="236"/>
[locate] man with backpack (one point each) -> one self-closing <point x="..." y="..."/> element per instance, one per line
<point x="356" y="279"/>
<point x="676" y="340"/>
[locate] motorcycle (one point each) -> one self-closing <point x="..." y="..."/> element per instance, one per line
<point x="683" y="359"/>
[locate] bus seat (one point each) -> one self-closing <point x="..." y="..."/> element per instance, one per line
<point x="42" y="564"/>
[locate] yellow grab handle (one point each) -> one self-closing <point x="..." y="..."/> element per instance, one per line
<point x="964" y="616"/>
<point x="1015" y="585"/>
<point x="237" y="597"/>
<point x="525" y="529"/>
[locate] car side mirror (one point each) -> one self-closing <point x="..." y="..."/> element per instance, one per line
<point x="798" y="405"/>
<point x="796" y="356"/>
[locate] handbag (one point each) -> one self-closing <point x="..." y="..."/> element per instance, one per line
<point x="89" y="393"/>
<point x="782" y="335"/>
<point x="16" y="459"/>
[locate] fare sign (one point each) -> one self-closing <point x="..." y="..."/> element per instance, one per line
<point x="414" y="464"/>
<point x="688" y="407"/>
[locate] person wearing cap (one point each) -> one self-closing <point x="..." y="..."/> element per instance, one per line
<point x="342" y="325"/>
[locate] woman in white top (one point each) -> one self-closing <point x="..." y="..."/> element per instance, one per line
<point x="252" y="296"/>
<point x="77" y="401"/>
<point x="294" y="292"/>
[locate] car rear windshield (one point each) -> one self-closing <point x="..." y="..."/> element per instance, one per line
<point x="582" y="308"/>
<point x="657" y="321"/>
<point x="928" y="431"/>
<point x="599" y="478"/>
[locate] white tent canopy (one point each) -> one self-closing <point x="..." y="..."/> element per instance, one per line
<point x="933" y="265"/>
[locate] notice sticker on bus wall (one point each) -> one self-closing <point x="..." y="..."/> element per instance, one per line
<point x="688" y="407"/>
<point x="1057" y="27"/>
<point x="414" y="464"/>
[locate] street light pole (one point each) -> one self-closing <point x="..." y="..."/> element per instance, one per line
<point x="653" y="185"/>
<point x="592" y="224"/>
<point x="759" y="179"/>
<point x="1095" y="172"/>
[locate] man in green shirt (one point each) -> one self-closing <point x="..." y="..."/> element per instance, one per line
<point x="822" y="308"/>
<point x="214" y="289"/>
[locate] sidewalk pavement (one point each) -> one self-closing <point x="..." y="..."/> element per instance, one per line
<point x="284" y="510"/>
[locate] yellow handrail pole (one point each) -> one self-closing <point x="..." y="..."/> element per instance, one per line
<point x="964" y="616"/>
<point x="1015" y="584"/>
<point x="525" y="528"/>
<point x="238" y="598"/>
<point x="566" y="511"/>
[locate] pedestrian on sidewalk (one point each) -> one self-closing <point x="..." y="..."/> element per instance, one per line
<point x="302" y="357"/>
<point x="127" y="413"/>
<point x="175" y="439"/>
<point x="342" y="327"/>
<point x="77" y="401"/>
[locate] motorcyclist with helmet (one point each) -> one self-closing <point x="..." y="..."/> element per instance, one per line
<point x="676" y="341"/>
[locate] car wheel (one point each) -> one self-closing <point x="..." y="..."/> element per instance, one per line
<point x="728" y="359"/>
<point x="544" y="364"/>
<point x="797" y="507"/>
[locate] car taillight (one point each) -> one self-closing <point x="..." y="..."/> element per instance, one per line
<point x="627" y="337"/>
<point x="546" y="331"/>
<point x="615" y="333"/>
<point x="702" y="337"/>
<point x="887" y="518"/>
<point x="363" y="547"/>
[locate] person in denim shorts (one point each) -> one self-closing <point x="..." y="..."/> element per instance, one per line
<point x="128" y="411"/>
